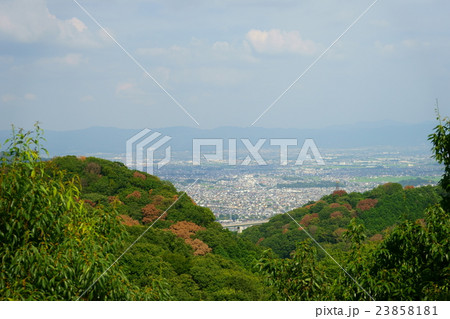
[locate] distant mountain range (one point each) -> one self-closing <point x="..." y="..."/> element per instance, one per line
<point x="109" y="140"/>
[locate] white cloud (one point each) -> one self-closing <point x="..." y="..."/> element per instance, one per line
<point x="221" y="46"/>
<point x="8" y="98"/>
<point x="173" y="50"/>
<point x="408" y="44"/>
<point x="278" y="41"/>
<point x="29" y="21"/>
<point x="71" y="59"/>
<point x="385" y="48"/>
<point x="30" y="97"/>
<point x="79" y="25"/>
<point x="131" y="91"/>
<point x="223" y="50"/>
<point x="124" y="87"/>
<point x="413" y="44"/>
<point x="220" y="76"/>
<point x="200" y="51"/>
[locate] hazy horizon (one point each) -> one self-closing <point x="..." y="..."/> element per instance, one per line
<point x="331" y="126"/>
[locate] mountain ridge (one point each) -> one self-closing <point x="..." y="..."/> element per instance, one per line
<point x="111" y="140"/>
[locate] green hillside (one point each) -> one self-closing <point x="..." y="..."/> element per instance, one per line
<point x="91" y="229"/>
<point x="327" y="219"/>
<point x="186" y="253"/>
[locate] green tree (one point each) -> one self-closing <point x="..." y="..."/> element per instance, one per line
<point x="441" y="152"/>
<point x="413" y="262"/>
<point x="354" y="284"/>
<point x="300" y="277"/>
<point x="52" y="245"/>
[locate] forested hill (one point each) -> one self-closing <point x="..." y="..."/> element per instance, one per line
<point x="140" y="198"/>
<point x="327" y="219"/>
<point x="185" y="255"/>
<point x="65" y="221"/>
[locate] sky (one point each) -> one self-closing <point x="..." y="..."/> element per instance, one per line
<point x="211" y="63"/>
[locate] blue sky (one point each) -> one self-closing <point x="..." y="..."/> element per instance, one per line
<point x="225" y="62"/>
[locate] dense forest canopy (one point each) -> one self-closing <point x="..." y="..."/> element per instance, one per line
<point x="79" y="228"/>
<point x="328" y="219"/>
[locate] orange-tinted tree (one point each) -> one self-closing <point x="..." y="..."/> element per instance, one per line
<point x="339" y="192"/>
<point x="150" y="213"/>
<point x="139" y="175"/>
<point x="307" y="219"/>
<point x="336" y="214"/>
<point x="128" y="221"/>
<point x="186" y="230"/>
<point x="135" y="194"/>
<point x="366" y="204"/>
<point x="200" y="248"/>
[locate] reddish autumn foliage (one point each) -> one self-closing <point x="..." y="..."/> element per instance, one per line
<point x="259" y="241"/>
<point x="314" y="204"/>
<point x="200" y="248"/>
<point x="139" y="175"/>
<point x="409" y="187"/>
<point x="114" y="200"/>
<point x="335" y="205"/>
<point x="185" y="230"/>
<point x="82" y="158"/>
<point x="87" y="201"/>
<point x="150" y="213"/>
<point x="348" y="206"/>
<point x="135" y="194"/>
<point x="150" y="191"/>
<point x="338" y="232"/>
<point x="339" y="192"/>
<point x="376" y="237"/>
<point x="157" y="200"/>
<point x="285" y="228"/>
<point x="366" y="204"/>
<point x="128" y="221"/>
<point x="336" y="214"/>
<point x="306" y="220"/>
